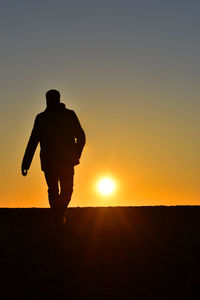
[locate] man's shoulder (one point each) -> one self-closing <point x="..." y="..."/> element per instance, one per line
<point x="70" y="112"/>
<point x="40" y="115"/>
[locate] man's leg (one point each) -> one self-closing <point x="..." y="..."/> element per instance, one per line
<point x="53" y="190"/>
<point x="66" y="186"/>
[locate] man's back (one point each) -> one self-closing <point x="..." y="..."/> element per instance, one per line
<point x="61" y="138"/>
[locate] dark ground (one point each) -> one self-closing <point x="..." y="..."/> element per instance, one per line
<point x="104" y="253"/>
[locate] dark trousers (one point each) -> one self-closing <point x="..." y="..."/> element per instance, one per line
<point x="60" y="188"/>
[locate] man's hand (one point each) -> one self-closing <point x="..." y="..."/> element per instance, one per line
<point x="24" y="172"/>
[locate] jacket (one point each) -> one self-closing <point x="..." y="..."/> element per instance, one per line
<point x="61" y="139"/>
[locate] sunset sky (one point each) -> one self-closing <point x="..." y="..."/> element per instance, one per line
<point x="131" y="71"/>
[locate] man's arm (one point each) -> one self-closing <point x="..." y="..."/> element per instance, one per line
<point x="79" y="135"/>
<point x="30" y="149"/>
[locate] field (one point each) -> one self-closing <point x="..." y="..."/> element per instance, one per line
<point x="103" y="253"/>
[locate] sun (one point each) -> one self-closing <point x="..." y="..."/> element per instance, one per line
<point x="106" y="186"/>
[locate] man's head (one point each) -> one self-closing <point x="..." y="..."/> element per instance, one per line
<point x="52" y="98"/>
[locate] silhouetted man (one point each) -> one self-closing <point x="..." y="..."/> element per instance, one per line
<point x="61" y="139"/>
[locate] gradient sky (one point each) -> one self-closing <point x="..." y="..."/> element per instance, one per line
<point x="130" y="70"/>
